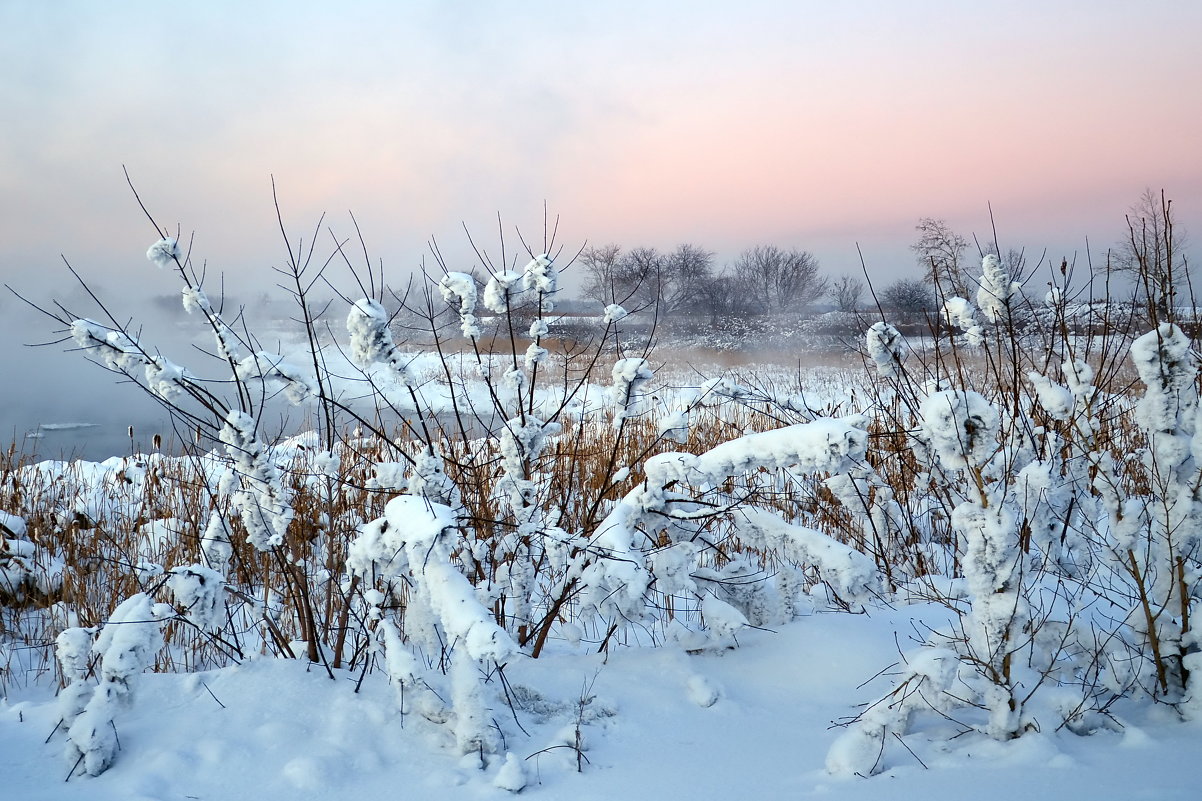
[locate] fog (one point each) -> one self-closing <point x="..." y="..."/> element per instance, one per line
<point x="48" y="385"/>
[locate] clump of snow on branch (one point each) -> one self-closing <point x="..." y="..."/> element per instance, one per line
<point x="259" y="498"/>
<point x="371" y="340"/>
<point x="884" y="344"/>
<point x="116" y="350"/>
<point x="165" y="253"/>
<point x="501" y="291"/>
<point x="414" y="542"/>
<point x="960" y="313"/>
<point x="215" y="543"/>
<point x="852" y="576"/>
<point x="992" y="571"/>
<point x="614" y="313"/>
<point x="630" y="375"/>
<point x="539" y="276"/>
<point x="73" y="648"/>
<point x="961" y="426"/>
<point x="460" y="290"/>
<point x="198" y="591"/>
<point x="928" y="673"/>
<point x="271" y="369"/>
<point x="1055" y="399"/>
<point x="996" y="289"/>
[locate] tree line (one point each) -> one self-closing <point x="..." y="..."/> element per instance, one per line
<point x="765" y="279"/>
<point x="768" y="279"/>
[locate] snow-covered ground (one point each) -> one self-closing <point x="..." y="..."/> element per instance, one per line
<point x="749" y="722"/>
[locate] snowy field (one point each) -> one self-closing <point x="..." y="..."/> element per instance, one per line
<point x="752" y="722"/>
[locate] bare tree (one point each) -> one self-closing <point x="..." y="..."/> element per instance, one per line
<point x="777" y="280"/>
<point x="644" y="276"/>
<point x="847" y="292"/>
<point x="908" y="296"/>
<point x="1153" y="251"/>
<point x="720" y="296"/>
<point x="940" y="252"/>
<point x="604" y="282"/>
<point x="686" y="273"/>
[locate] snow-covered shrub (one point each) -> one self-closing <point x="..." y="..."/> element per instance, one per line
<point x="26" y="572"/>
<point x="1015" y="480"/>
<point x="1155" y="538"/>
<point x="127" y="645"/>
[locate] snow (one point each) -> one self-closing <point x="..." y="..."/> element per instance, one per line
<point x="750" y="722"/>
<point x="995" y="290"/>
<point x="884" y="345"/>
<point x="961" y="426"/>
<point x="459" y="290"/>
<point x="165" y="253"/>
<point x="614" y="313"/>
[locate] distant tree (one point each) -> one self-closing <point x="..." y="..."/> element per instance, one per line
<point x="642" y="269"/>
<point x="720" y="297"/>
<point x="644" y="276"/>
<point x="1153" y="252"/>
<point x="686" y="273"/>
<point x="847" y="293"/>
<point x="604" y="279"/>
<point x="908" y="296"/>
<point x="940" y="253"/>
<point x="777" y="280"/>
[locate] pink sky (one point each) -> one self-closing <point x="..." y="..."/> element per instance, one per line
<point x="814" y="125"/>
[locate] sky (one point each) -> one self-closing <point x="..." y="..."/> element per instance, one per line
<point x="827" y="126"/>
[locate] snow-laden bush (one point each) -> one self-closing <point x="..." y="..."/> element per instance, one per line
<point x="1052" y="500"/>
